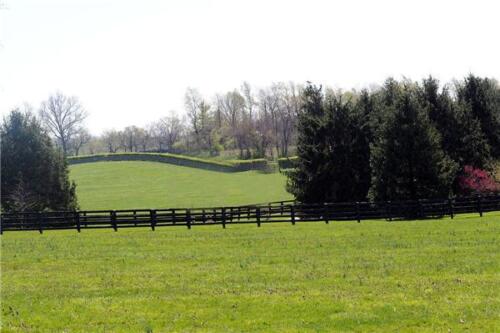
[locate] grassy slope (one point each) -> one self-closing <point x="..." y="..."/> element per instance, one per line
<point x="426" y="276"/>
<point x="123" y="185"/>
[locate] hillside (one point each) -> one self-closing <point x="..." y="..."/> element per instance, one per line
<point x="134" y="184"/>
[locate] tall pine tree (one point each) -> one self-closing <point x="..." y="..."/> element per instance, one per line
<point x="34" y="173"/>
<point x="482" y="95"/>
<point x="407" y="160"/>
<point x="332" y="151"/>
<point x="462" y="137"/>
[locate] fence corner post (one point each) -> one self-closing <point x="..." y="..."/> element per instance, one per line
<point x="224" y="218"/>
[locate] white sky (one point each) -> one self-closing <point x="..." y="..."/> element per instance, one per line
<point x="130" y="62"/>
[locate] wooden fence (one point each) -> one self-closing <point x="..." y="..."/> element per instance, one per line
<point x="283" y="211"/>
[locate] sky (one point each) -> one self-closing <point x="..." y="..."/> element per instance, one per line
<point x="130" y="62"/>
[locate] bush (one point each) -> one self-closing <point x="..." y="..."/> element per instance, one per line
<point x="477" y="181"/>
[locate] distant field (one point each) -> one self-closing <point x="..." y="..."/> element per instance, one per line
<point x="416" y="276"/>
<point x="124" y="185"/>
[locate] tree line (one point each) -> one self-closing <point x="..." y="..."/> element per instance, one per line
<point x="243" y="122"/>
<point x="404" y="140"/>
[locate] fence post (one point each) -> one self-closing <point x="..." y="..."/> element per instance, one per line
<point x="39" y="222"/>
<point x="357" y="212"/>
<point x="188" y="218"/>
<point x="113" y="220"/>
<point x="281" y="206"/>
<point x="173" y="217"/>
<point x="203" y="216"/>
<point x="152" y="217"/>
<point x="450" y="204"/>
<point x="292" y="212"/>
<point x="257" y="213"/>
<point x="389" y="210"/>
<point x="224" y="218"/>
<point x="325" y="212"/>
<point x="135" y="218"/>
<point x="77" y="220"/>
<point x="479" y="205"/>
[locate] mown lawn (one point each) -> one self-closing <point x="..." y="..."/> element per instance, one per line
<point x="376" y="276"/>
<point x="128" y="185"/>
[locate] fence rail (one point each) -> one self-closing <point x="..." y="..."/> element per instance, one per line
<point x="274" y="212"/>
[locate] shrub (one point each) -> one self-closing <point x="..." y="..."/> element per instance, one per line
<point x="477" y="181"/>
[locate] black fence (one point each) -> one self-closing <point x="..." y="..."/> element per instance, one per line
<point x="283" y="211"/>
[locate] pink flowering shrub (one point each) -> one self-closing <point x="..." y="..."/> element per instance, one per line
<point x="477" y="181"/>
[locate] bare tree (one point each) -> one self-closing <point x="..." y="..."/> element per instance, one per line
<point x="63" y="117"/>
<point x="201" y="118"/>
<point x="131" y="138"/>
<point x="288" y="113"/>
<point x="143" y="138"/>
<point x="111" y="139"/>
<point x="166" y="131"/>
<point x="80" y="138"/>
<point x="232" y="105"/>
<point x="192" y="102"/>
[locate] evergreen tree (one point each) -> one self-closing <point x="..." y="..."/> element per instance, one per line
<point x="483" y="97"/>
<point x="464" y="141"/>
<point x="34" y="173"/>
<point x="332" y="149"/>
<point x="309" y="181"/>
<point x="407" y="161"/>
<point x="462" y="138"/>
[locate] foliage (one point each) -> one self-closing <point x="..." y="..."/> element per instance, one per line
<point x="477" y="181"/>
<point x="415" y="135"/>
<point x="483" y="97"/>
<point x="34" y="173"/>
<point x="432" y="276"/>
<point x="407" y="159"/>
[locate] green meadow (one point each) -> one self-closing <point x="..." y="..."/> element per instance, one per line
<point x="375" y="276"/>
<point x="125" y="185"/>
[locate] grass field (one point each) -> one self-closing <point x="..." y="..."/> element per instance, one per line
<point x="127" y="185"/>
<point x="425" y="276"/>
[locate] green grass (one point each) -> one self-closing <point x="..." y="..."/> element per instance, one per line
<point x="416" y="276"/>
<point x="125" y="185"/>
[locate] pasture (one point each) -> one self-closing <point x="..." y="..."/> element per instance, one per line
<point x="125" y="185"/>
<point x="375" y="276"/>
